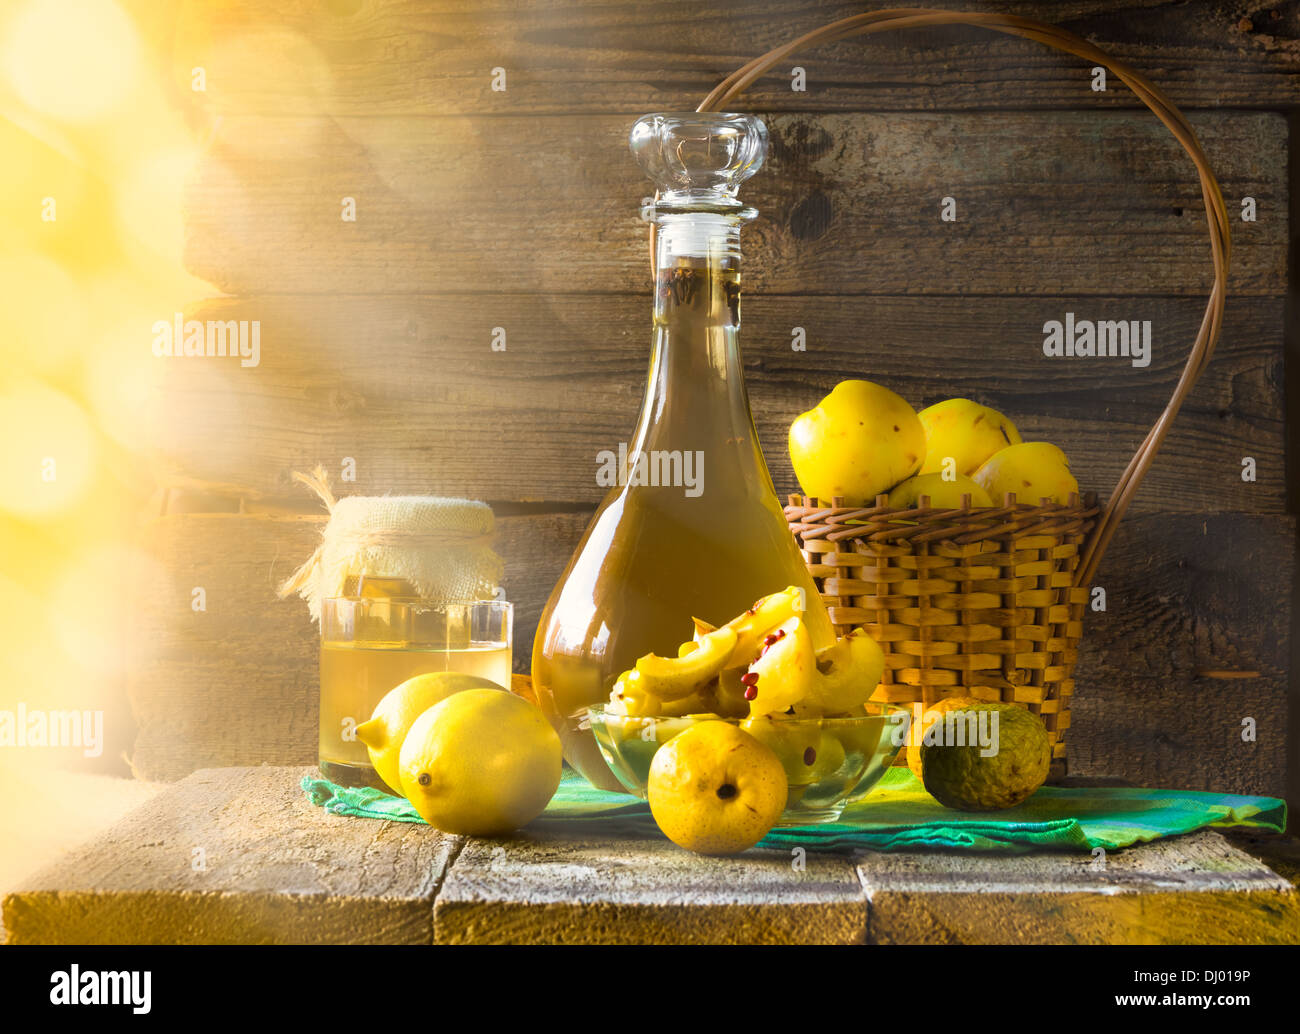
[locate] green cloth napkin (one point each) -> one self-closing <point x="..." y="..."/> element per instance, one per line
<point x="899" y="815"/>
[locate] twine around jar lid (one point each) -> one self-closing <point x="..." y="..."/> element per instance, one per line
<point x="441" y="547"/>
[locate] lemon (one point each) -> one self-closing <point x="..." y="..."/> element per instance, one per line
<point x="481" y="763"/>
<point x="399" y="709"/>
<point x="960" y="776"/>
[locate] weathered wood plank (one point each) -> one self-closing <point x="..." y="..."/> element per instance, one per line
<point x="237" y="685"/>
<point x="554" y="888"/>
<point x="412" y="391"/>
<point x="1087" y="203"/>
<point x="412" y="57"/>
<point x="49" y="811"/>
<point x="1183" y="679"/>
<point x="1195" y="889"/>
<point x="237" y="856"/>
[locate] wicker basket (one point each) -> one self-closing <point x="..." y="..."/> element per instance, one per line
<point x="986" y="602"/>
<point x="978" y="602"/>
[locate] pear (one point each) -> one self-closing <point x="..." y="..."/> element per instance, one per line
<point x="629" y="697"/>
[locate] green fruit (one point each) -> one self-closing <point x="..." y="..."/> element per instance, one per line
<point x="958" y="776"/>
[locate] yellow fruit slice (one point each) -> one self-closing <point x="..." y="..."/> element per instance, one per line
<point x="848" y="674"/>
<point x="759" y="621"/>
<point x="671" y="677"/>
<point x="782" y="677"/>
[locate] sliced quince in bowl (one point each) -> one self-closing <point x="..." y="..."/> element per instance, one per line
<point x="827" y="761"/>
<point x="794" y="743"/>
<point x="782" y="676"/>
<point x="756" y="623"/>
<point x="670" y="678"/>
<point x="788" y="677"/>
<point x="848" y="673"/>
<point x="760" y="671"/>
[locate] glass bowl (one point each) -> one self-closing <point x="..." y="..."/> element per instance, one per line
<point x="828" y="761"/>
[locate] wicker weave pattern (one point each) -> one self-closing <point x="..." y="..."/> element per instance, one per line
<point x="976" y="602"/>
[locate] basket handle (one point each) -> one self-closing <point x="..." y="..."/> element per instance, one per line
<point x="1164" y="109"/>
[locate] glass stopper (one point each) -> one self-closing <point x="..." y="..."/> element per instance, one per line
<point x="698" y="159"/>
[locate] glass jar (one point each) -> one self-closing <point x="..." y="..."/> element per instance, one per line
<point x="693" y="527"/>
<point x="372" y="642"/>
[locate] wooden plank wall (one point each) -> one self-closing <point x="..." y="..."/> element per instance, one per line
<point x="478" y="209"/>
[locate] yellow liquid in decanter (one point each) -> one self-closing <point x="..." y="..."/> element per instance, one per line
<point x="694" y="529"/>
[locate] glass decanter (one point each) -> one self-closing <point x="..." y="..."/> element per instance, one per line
<point x="693" y="527"/>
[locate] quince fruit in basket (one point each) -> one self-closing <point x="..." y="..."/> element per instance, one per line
<point x="944" y="494"/>
<point x="858" y="442"/>
<point x="862" y="440"/>
<point x="965" y="433"/>
<point x="1032" y="470"/>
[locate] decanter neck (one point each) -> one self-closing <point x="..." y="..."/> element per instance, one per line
<point x="697" y="272"/>
<point x="696" y="397"/>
